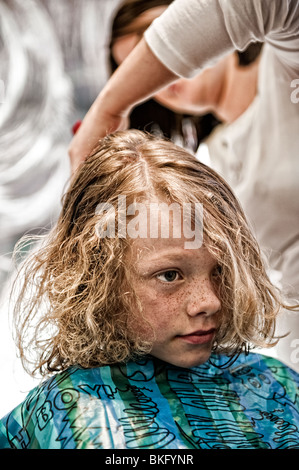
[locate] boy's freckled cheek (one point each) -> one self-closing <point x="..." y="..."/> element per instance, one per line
<point x="167" y="309"/>
<point x="156" y="299"/>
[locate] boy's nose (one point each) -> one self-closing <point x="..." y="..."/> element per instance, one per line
<point x="203" y="299"/>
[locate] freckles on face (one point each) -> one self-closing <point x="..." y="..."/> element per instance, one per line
<point x="177" y="298"/>
<point x="157" y="308"/>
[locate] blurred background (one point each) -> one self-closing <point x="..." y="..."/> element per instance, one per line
<point x="53" y="63"/>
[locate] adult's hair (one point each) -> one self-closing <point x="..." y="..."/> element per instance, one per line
<point x="82" y="281"/>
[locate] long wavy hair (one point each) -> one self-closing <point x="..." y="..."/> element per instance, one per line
<point x="76" y="296"/>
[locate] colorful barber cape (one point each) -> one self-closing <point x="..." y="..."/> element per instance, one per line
<point x="251" y="404"/>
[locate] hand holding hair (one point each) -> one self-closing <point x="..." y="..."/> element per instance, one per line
<point x="137" y="78"/>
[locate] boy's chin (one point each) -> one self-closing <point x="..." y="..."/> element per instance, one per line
<point x="189" y="363"/>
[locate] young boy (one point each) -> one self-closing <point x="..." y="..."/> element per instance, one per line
<point x="152" y="287"/>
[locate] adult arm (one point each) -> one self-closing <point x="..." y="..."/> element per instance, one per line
<point x="189" y="36"/>
<point x="136" y="79"/>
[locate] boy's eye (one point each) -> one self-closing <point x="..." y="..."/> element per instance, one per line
<point x="217" y="271"/>
<point x="168" y="276"/>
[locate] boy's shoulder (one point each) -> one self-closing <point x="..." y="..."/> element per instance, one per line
<point x="37" y="422"/>
<point x="68" y="410"/>
<point x="96" y="408"/>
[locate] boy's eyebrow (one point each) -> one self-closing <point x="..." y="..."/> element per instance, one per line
<point x="153" y="256"/>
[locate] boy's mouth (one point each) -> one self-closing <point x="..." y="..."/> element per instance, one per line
<point x="199" y="336"/>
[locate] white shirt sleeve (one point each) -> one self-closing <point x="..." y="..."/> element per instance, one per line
<point x="193" y="34"/>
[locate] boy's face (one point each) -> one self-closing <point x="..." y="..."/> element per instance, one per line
<point x="176" y="288"/>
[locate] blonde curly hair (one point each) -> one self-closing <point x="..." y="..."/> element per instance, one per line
<point x="76" y="297"/>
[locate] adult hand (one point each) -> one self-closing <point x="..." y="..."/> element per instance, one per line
<point x="95" y="125"/>
<point x="135" y="80"/>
